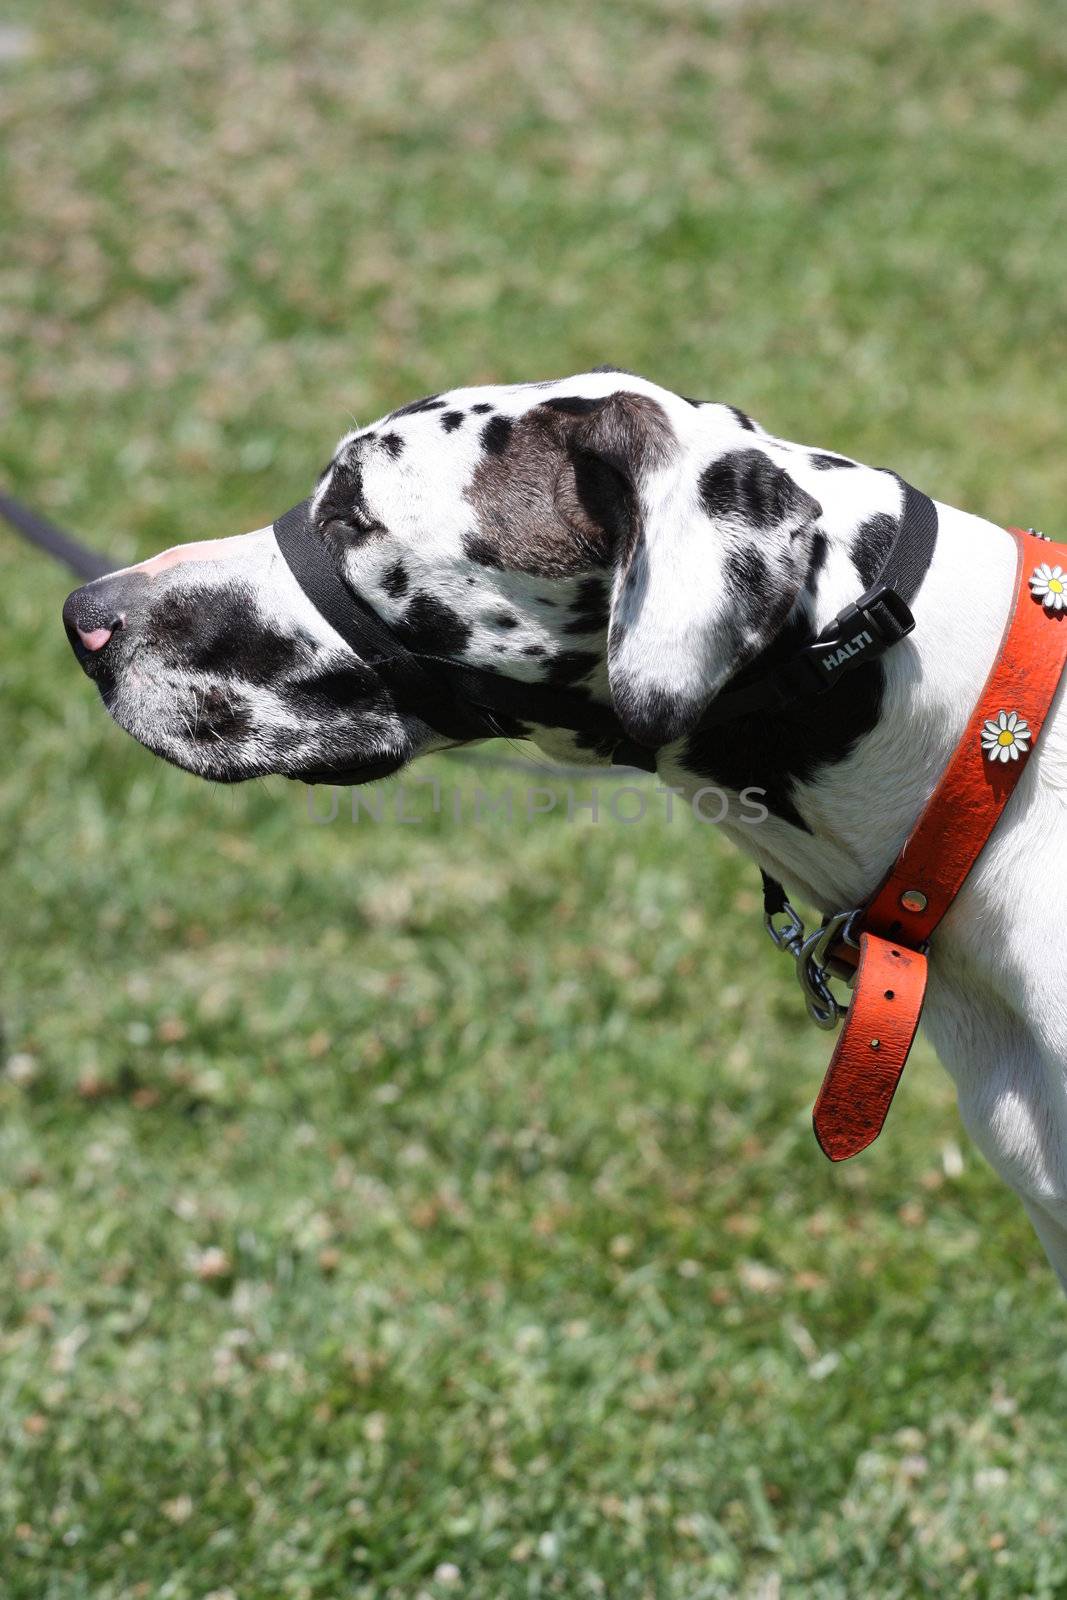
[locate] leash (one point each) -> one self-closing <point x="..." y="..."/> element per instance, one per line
<point x="83" y="562"/>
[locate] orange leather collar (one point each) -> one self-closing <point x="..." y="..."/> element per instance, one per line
<point x="894" y="928"/>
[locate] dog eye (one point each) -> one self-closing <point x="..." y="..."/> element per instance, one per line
<point x="356" y="521"/>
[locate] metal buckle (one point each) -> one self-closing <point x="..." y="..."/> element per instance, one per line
<point x="810" y="952"/>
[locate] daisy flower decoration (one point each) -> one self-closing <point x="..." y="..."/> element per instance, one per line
<point x="1007" y="738"/>
<point x="1049" y="585"/>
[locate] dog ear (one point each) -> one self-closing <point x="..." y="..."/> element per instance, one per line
<point x="711" y="551"/>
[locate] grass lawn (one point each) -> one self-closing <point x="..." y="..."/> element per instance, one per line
<point x="398" y="1212"/>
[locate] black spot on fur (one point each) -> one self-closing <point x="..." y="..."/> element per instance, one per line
<point x="746" y="486"/>
<point x="221" y="717"/>
<point x="430" y="626"/>
<point x="481" y="550"/>
<point x="395" y="580"/>
<point x="589" y="610"/>
<point x="244" y="650"/>
<point x="819" y="548"/>
<point x="176" y="615"/>
<point x="482" y="408"/>
<point x="746" y="570"/>
<point x="871" y="544"/>
<point x="826" y="463"/>
<point x="192" y="630"/>
<point x="506" y="619"/>
<point x="534" y="650"/>
<point x="495" y="435"/>
<point x="346" y="488"/>
<point x="739" y="417"/>
<point x="605" y="498"/>
<point x="576" y="405"/>
<point x="450" y="420"/>
<point x="569" y="666"/>
<point x="759" y="597"/>
<point x="393" y="443"/>
<point x="429" y="402"/>
<point x="339" y="690"/>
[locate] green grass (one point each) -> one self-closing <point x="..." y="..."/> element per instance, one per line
<point x="414" y="1211"/>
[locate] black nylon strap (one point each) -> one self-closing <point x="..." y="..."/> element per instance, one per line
<point x="774" y="897"/>
<point x="460" y="701"/>
<point x="359" y="626"/>
<point x="911" y="552"/>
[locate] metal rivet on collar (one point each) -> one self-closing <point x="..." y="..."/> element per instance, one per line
<point x="876" y="1044"/>
<point x="914" y="900"/>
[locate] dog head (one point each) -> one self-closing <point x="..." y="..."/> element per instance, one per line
<point x="597" y="532"/>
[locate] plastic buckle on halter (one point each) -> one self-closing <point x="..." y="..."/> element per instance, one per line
<point x="865" y="629"/>
<point x="884" y="610"/>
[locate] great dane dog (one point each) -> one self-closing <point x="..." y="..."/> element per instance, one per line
<point x="603" y="535"/>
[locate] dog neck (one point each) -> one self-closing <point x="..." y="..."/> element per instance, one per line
<point x="854" y="813"/>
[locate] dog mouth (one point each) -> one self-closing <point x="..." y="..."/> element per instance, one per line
<point x="342" y="775"/>
<point x="253" y="755"/>
<point x="349" y="776"/>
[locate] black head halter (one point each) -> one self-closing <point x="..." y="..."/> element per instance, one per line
<point x="458" y="701"/>
<point x="463" y="702"/>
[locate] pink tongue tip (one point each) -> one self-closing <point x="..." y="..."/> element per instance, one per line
<point x="95" y="639"/>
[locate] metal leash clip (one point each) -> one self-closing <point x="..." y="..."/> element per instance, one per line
<point x="810" y="952"/>
<point x="790" y="936"/>
<point x="813" y="972"/>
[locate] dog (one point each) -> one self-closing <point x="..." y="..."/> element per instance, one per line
<point x="601" y="534"/>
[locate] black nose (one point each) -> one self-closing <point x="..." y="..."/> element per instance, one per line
<point x="94" y="615"/>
